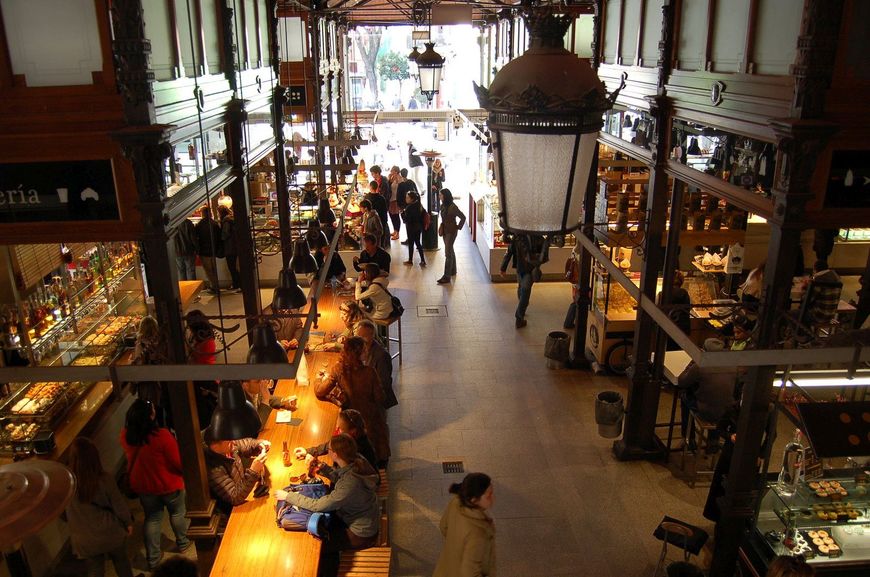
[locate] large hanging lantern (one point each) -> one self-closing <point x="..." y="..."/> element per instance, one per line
<point x="414" y="55"/>
<point x="545" y="110"/>
<point x="429" y="65"/>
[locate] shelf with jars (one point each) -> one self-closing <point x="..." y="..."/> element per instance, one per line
<point x="51" y="324"/>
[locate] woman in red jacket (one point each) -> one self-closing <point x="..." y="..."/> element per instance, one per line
<point x="154" y="467"/>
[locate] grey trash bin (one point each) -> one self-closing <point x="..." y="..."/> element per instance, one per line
<point x="609" y="412"/>
<point x="557" y="349"/>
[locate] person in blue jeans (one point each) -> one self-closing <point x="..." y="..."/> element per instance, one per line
<point x="526" y="253"/>
<point x="154" y="468"/>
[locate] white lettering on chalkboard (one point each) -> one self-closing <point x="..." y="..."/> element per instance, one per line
<point x="19" y="196"/>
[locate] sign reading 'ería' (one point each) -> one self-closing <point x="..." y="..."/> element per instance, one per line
<point x="76" y="190"/>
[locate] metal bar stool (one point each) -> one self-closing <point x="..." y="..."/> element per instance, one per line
<point x="679" y="534"/>
<point x="383" y="326"/>
<point x="699" y="435"/>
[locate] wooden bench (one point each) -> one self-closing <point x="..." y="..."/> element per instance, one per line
<point x="372" y="562"/>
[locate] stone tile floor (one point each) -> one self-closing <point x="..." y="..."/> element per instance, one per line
<point x="475" y="389"/>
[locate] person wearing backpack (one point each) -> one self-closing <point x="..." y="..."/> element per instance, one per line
<point x="371" y="293"/>
<point x="353" y="499"/>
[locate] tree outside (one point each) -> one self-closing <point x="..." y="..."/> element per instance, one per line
<point x="393" y="66"/>
<point x="368" y="42"/>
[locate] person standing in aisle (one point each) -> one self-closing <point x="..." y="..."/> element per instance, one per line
<point x="469" y="533"/>
<point x="98" y="516"/>
<point x="383" y="191"/>
<point x="156" y="476"/>
<point x="185" y="250"/>
<point x="228" y="239"/>
<point x="438" y="176"/>
<point x="394" y="208"/>
<point x="414" y="161"/>
<point x="452" y="221"/>
<point x="371" y="222"/>
<point x="209" y="248"/>
<point x="526" y="253"/>
<point x="415" y="219"/>
<point x="379" y="203"/>
<point x="406" y="186"/>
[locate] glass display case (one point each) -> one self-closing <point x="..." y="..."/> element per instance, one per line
<point x="830" y="531"/>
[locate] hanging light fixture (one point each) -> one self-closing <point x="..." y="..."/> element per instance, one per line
<point x="545" y="110"/>
<point x="265" y="348"/>
<point x="414" y="55"/>
<point x="429" y="66"/>
<point x="235" y="417"/>
<point x="288" y="294"/>
<point x="302" y="262"/>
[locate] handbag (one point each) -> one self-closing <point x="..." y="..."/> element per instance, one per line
<point x="427" y="220"/>
<point x="124" y="479"/>
<point x="292" y="518"/>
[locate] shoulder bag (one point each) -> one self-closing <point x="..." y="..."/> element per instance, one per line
<point x="398" y="309"/>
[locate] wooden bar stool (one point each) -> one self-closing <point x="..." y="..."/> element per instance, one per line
<point x="699" y="435"/>
<point x="383" y="326"/>
<point x="681" y="535"/>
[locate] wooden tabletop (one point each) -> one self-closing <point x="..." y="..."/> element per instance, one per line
<point x="188" y="289"/>
<point x="253" y="544"/>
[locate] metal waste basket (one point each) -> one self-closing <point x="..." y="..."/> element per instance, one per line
<point x="609" y="412"/>
<point x="557" y="349"/>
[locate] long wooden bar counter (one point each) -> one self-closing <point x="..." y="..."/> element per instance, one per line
<point x="253" y="545"/>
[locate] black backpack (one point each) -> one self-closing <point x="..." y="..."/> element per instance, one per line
<point x="398" y="309"/>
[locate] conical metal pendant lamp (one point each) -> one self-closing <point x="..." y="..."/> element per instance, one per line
<point x="288" y="294"/>
<point x="302" y="261"/>
<point x="235" y="417"/>
<point x="266" y="349"/>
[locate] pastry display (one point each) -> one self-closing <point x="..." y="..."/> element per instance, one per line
<point x="37" y="399"/>
<point x="22" y="432"/>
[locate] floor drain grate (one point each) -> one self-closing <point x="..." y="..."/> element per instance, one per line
<point x="452" y="467"/>
<point x="432" y="311"/>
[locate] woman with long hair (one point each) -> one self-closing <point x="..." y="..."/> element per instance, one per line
<point x="452" y="221"/>
<point x="469" y="533"/>
<point x="353" y="385"/>
<point x="350" y="422"/>
<point x="99" y="518"/>
<point x="202" y="350"/>
<point x="150" y="349"/>
<point x="154" y="468"/>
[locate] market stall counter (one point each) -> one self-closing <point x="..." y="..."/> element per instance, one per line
<point x="253" y="544"/>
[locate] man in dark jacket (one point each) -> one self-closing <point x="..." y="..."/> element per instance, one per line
<point x="185" y="250"/>
<point x="229" y="480"/>
<point x="709" y="391"/>
<point x="209" y="247"/>
<point x="372" y="253"/>
<point x="526" y="253"/>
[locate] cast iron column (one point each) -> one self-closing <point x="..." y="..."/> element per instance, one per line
<point x="639" y="440"/>
<point x="799" y="143"/>
<point x="250" y="283"/>
<point x="584" y="277"/>
<point x="279" y="98"/>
